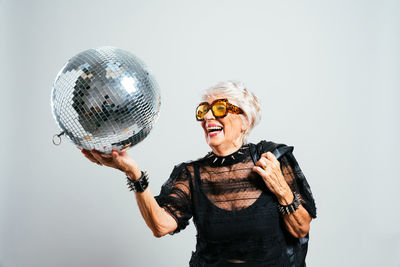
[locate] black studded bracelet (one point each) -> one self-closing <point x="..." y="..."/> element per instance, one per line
<point x="140" y="184"/>
<point x="292" y="207"/>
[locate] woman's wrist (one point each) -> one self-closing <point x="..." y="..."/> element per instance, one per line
<point x="133" y="173"/>
<point x="292" y="207"/>
<point x="139" y="185"/>
<point x="286" y="198"/>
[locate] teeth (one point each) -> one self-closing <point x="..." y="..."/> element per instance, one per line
<point x="214" y="129"/>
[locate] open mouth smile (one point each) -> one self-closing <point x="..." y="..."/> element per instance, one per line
<point x="214" y="129"/>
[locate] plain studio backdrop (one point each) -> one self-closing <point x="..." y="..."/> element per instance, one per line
<point x="327" y="75"/>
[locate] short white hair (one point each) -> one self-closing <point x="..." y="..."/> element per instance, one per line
<point x="238" y="95"/>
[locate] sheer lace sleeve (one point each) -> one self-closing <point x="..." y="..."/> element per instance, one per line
<point x="297" y="182"/>
<point x="175" y="196"/>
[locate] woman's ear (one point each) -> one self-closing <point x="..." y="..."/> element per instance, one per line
<point x="245" y="124"/>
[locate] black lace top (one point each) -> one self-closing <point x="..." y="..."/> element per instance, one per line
<point x="236" y="216"/>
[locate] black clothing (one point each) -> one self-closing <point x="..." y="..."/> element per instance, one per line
<point x="235" y="214"/>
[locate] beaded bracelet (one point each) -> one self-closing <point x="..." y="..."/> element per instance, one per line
<point x="292" y="207"/>
<point x="140" y="184"/>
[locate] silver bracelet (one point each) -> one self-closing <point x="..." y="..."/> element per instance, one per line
<point x="292" y="207"/>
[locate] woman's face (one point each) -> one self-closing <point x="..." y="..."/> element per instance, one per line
<point x="223" y="134"/>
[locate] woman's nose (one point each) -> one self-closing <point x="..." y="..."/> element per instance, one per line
<point x="209" y="115"/>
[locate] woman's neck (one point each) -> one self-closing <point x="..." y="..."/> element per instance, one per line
<point x="227" y="149"/>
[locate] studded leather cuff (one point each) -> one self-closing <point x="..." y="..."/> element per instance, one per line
<point x="292" y="207"/>
<point x="140" y="184"/>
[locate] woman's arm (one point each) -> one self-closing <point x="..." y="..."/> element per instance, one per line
<point x="268" y="167"/>
<point x="157" y="219"/>
<point x="298" y="222"/>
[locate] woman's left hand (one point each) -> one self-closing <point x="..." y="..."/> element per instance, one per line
<point x="268" y="167"/>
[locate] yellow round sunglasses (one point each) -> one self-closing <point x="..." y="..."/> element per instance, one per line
<point x="219" y="108"/>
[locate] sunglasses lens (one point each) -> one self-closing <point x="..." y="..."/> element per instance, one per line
<point x="219" y="108"/>
<point x="201" y="112"/>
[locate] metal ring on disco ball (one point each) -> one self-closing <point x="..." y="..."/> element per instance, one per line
<point x="105" y="98"/>
<point x="57" y="138"/>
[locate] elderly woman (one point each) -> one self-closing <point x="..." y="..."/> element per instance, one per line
<point x="249" y="208"/>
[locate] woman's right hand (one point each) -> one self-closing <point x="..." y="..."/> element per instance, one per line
<point x="117" y="160"/>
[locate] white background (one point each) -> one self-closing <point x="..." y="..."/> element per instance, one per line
<point x="327" y="74"/>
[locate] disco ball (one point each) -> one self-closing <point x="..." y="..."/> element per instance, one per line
<point x="104" y="99"/>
